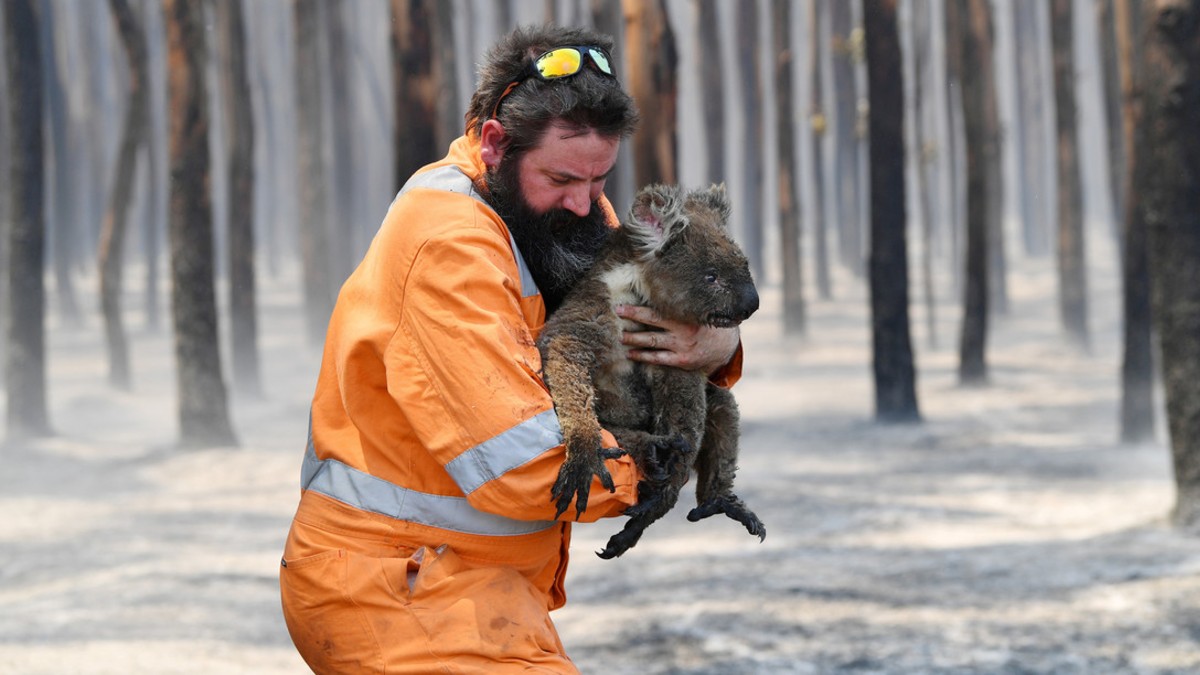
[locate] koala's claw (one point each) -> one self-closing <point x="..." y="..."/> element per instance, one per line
<point x="735" y="509"/>
<point x="575" y="479"/>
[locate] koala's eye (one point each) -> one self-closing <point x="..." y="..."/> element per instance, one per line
<point x="711" y="277"/>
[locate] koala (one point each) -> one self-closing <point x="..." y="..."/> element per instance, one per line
<point x="675" y="255"/>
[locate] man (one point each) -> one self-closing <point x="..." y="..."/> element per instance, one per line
<point x="425" y="538"/>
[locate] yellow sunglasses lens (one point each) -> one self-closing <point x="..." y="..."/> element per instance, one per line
<point x="559" y="63"/>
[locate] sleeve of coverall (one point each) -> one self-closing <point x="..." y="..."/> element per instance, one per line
<point x="484" y="412"/>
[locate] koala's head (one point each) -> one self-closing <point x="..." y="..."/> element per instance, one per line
<point x="690" y="267"/>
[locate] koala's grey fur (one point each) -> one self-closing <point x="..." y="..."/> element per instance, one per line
<point x="674" y="254"/>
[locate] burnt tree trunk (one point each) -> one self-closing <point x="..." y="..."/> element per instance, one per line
<point x="750" y="96"/>
<point x="895" y="375"/>
<point x="818" y="123"/>
<point x="1137" y="359"/>
<point x="974" y="30"/>
<point x="922" y="34"/>
<point x="239" y="116"/>
<point x="789" y="196"/>
<point x="1114" y="130"/>
<point x="1169" y="181"/>
<point x="116" y="218"/>
<point x="1072" y="276"/>
<point x="25" y="323"/>
<point x="416" y="79"/>
<point x="845" y="45"/>
<point x="203" y="412"/>
<point x="311" y="183"/>
<point x="712" y="88"/>
<point x="653" y="60"/>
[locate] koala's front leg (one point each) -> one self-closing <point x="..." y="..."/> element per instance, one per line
<point x="566" y="365"/>
<point x="716" y="465"/>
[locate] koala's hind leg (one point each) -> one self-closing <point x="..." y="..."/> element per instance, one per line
<point x="716" y="465"/>
<point x="657" y="492"/>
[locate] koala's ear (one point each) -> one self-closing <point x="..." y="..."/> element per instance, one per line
<point x="657" y="216"/>
<point x="714" y="199"/>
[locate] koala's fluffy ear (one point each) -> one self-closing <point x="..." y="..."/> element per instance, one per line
<point x="714" y="199"/>
<point x="657" y="216"/>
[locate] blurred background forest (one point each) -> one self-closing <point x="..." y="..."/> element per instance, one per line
<point x="167" y="156"/>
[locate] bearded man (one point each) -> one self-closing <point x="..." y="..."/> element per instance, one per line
<point x="425" y="539"/>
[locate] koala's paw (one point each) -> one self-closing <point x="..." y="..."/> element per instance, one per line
<point x="733" y="507"/>
<point x="575" y="479"/>
<point x="667" y="456"/>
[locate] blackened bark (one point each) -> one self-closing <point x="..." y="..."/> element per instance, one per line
<point x="239" y="115"/>
<point x="653" y="63"/>
<point x="1169" y="181"/>
<point x="750" y="96"/>
<point x="416" y="77"/>
<point x="1072" y="276"/>
<point x="203" y="412"/>
<point x="975" y="32"/>
<point x="1137" y="360"/>
<point x="25" y="371"/>
<point x="712" y="87"/>
<point x="895" y="375"/>
<point x="789" y="196"/>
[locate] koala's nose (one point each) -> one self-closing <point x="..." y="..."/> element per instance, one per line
<point x="747" y="301"/>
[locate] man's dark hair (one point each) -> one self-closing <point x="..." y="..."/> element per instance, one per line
<point x="587" y="100"/>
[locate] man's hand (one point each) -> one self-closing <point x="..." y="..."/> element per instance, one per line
<point x="675" y="344"/>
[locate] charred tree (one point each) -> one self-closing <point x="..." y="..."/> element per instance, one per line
<point x="977" y="93"/>
<point x="1032" y="126"/>
<point x="25" y="323"/>
<point x="895" y="375"/>
<point x="311" y="180"/>
<point x="1137" y="359"/>
<point x="653" y="64"/>
<point x="1072" y="275"/>
<point x="922" y="18"/>
<point x="794" y="320"/>
<point x="416" y="79"/>
<point x="845" y="50"/>
<point x="712" y="87"/>
<point x="116" y="218"/>
<point x="608" y="18"/>
<point x="818" y="123"/>
<point x="239" y="116"/>
<point x="750" y="96"/>
<point x="203" y="412"/>
<point x="1111" y="76"/>
<point x="1169" y="182"/>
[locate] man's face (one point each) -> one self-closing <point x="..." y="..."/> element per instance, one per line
<point x="548" y="198"/>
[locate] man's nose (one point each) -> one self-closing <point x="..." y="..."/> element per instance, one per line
<point x="578" y="200"/>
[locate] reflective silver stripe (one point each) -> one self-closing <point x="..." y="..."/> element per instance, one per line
<point x="452" y="179"/>
<point x="507" y="451"/>
<point x="370" y="493"/>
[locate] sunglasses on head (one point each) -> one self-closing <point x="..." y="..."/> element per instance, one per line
<point x="559" y="63"/>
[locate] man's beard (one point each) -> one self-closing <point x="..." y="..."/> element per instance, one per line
<point x="558" y="246"/>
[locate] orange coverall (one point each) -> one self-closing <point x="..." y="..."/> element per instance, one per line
<point x="424" y="540"/>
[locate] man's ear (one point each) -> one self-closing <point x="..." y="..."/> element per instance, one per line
<point x="493" y="142"/>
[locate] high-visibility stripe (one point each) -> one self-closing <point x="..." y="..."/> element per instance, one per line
<point x="507" y="451"/>
<point x="370" y="493"/>
<point x="452" y="179"/>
